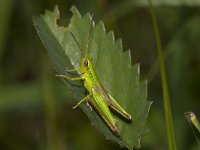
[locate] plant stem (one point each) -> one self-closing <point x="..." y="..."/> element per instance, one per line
<point x="166" y="98"/>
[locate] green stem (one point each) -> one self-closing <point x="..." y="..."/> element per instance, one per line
<point x="166" y="98"/>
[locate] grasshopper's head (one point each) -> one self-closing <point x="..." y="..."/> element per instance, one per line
<point x="86" y="64"/>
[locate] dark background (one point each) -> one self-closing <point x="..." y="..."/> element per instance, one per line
<point x="36" y="107"/>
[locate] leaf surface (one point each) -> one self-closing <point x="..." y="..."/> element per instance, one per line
<point x="112" y="65"/>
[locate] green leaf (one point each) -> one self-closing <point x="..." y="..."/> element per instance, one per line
<point x="112" y="65"/>
<point x="192" y="119"/>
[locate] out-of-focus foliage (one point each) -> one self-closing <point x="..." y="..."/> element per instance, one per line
<point x="36" y="108"/>
<point x="5" y="12"/>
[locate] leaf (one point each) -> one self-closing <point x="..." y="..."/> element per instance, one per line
<point x="112" y="65"/>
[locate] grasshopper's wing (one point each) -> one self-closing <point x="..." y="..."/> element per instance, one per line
<point x="114" y="105"/>
<point x="101" y="106"/>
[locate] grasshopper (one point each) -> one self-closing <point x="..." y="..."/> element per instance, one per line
<point x="97" y="96"/>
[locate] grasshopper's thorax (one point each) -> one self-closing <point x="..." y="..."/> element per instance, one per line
<point x="87" y="71"/>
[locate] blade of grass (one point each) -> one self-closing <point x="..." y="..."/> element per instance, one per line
<point x="166" y="98"/>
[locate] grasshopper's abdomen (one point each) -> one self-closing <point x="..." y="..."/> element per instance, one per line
<point x="101" y="106"/>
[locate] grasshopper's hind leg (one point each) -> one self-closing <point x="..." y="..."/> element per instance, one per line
<point x="102" y="108"/>
<point x="114" y="105"/>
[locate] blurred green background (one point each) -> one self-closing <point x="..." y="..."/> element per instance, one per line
<point x="36" y="107"/>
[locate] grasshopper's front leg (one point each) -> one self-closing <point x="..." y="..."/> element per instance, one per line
<point x="70" y="78"/>
<point x="71" y="70"/>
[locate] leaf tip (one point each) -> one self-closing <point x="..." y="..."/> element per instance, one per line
<point x="101" y="24"/>
<point x="56" y="11"/>
<point x="111" y="36"/>
<point x="74" y="10"/>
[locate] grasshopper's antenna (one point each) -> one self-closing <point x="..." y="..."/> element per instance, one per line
<point x="89" y="37"/>
<point x="76" y="42"/>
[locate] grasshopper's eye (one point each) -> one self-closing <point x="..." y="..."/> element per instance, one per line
<point x="85" y="63"/>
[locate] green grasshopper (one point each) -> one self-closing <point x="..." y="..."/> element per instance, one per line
<point x="97" y="96"/>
